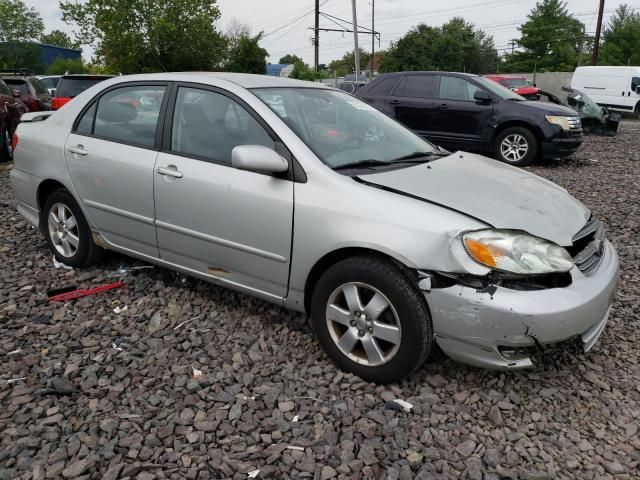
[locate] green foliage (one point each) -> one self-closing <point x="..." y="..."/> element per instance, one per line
<point x="550" y="39"/>
<point x="622" y="38"/>
<point x="455" y="46"/>
<point x="60" y="66"/>
<point x="247" y="56"/>
<point x="290" y="59"/>
<point x="15" y="55"/>
<point x="19" y="23"/>
<point x="347" y="63"/>
<point x="302" y="71"/>
<point x="59" y="38"/>
<point x="132" y="36"/>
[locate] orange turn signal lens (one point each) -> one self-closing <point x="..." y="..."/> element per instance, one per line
<point x="480" y="252"/>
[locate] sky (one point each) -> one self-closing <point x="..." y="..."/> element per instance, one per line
<point x="286" y="23"/>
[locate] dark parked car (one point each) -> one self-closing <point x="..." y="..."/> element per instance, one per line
<point x="11" y="109"/>
<point x="71" y="86"/>
<point x="32" y="91"/>
<point x="468" y="112"/>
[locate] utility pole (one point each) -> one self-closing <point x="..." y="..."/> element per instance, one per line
<point x="373" y="37"/>
<point x="316" y="38"/>
<point x="596" y="45"/>
<point x="356" y="50"/>
<point x="513" y="46"/>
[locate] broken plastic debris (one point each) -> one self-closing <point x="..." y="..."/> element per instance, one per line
<point x="14" y="352"/>
<point x="116" y="347"/>
<point x="119" y="310"/>
<point x="14" y="380"/>
<point x="124" y="270"/>
<point x="293" y="447"/>
<point x="253" y="473"/>
<point x="406" y="405"/>
<point x="182" y="323"/>
<point x="59" y="265"/>
<point x="196" y="373"/>
<point x="296" y="418"/>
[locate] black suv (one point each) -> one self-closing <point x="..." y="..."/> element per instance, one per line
<point x="468" y="112"/>
<point x="29" y="89"/>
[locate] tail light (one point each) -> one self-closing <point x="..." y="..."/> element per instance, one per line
<point x="14" y="141"/>
<point x="58" y="102"/>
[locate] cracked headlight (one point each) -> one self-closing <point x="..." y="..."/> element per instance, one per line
<point x="515" y="251"/>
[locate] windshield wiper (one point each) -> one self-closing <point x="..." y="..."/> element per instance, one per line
<point x="370" y="162"/>
<point x="415" y="156"/>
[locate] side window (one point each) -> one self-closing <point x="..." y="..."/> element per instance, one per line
<point x="85" y="125"/>
<point x="454" y="88"/>
<point x="129" y="114"/>
<point x="417" y="86"/>
<point x="383" y="87"/>
<point x="39" y="86"/>
<point x="209" y="125"/>
<point x="635" y="83"/>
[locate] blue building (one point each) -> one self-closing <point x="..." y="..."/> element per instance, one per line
<point x="51" y="52"/>
<point x="279" y="69"/>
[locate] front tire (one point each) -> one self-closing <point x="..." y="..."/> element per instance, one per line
<point x="516" y="146"/>
<point x="371" y="319"/>
<point x="67" y="231"/>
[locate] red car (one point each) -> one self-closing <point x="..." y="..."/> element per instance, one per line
<point x="70" y="86"/>
<point x="11" y="109"/>
<point x="31" y="90"/>
<point x="519" y="85"/>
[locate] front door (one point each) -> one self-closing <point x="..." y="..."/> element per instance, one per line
<point x="110" y="154"/>
<point x="461" y="120"/>
<point x="412" y="103"/>
<point x="232" y="225"/>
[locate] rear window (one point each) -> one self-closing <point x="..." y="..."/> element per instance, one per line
<point x="72" y="87"/>
<point x="16" y="84"/>
<point x="39" y="86"/>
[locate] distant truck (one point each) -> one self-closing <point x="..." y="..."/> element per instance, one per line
<point x="616" y="88"/>
<point x="518" y="84"/>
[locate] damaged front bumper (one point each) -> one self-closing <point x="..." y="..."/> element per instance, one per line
<point x="494" y="328"/>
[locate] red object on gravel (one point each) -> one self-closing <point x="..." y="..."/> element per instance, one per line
<point x="79" y="293"/>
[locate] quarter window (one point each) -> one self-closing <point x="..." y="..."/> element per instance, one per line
<point x="4" y="90"/>
<point x="454" y="88"/>
<point x="417" y="86"/>
<point x="209" y="125"/>
<point x="128" y="114"/>
<point x="85" y="125"/>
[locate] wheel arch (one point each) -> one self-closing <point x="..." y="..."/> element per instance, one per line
<point x="335" y="256"/>
<point x="517" y="123"/>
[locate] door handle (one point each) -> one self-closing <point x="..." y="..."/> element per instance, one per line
<point x="394" y="102"/>
<point x="442" y="106"/>
<point x="170" y="171"/>
<point x="78" y="150"/>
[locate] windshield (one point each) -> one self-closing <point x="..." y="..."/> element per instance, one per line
<point x="341" y="129"/>
<point x="516" y="82"/>
<point x="71" y="87"/>
<point x="503" y="92"/>
<point x="587" y="105"/>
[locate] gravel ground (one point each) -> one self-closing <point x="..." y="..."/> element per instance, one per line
<point x="242" y="386"/>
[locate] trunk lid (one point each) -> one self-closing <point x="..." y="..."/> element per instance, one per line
<point x="497" y="194"/>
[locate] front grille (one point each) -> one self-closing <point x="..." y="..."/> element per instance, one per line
<point x="588" y="247"/>
<point x="574" y="123"/>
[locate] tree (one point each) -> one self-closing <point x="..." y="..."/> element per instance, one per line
<point x="347" y="64"/>
<point x="550" y="39"/>
<point x="146" y="35"/>
<point x="18" y="26"/>
<point x="59" y="38"/>
<point x="302" y="71"/>
<point x="290" y="59"/>
<point x="455" y="46"/>
<point x="247" y="55"/>
<point x="621" y="44"/>
<point x="60" y="66"/>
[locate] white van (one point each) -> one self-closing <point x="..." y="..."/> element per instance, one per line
<point x="617" y="88"/>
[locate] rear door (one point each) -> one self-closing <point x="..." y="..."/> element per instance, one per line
<point x="459" y="118"/>
<point x="377" y="93"/>
<point x="111" y="154"/>
<point x="412" y="103"/>
<point x="232" y="225"/>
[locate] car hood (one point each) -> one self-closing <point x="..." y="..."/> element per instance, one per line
<point x="549" y="108"/>
<point x="497" y="194"/>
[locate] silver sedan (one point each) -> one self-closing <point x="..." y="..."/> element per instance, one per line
<point x="305" y="196"/>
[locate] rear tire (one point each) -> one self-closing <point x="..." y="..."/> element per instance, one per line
<point x="6" y="150"/>
<point x="516" y="146"/>
<point x="371" y="320"/>
<point x="67" y="231"/>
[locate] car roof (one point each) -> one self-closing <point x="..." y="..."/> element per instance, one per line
<point x="85" y="75"/>
<point x="245" y="80"/>
<point x="430" y="72"/>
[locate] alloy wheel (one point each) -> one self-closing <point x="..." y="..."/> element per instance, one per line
<point x="363" y="324"/>
<point x="63" y="230"/>
<point x="514" y="147"/>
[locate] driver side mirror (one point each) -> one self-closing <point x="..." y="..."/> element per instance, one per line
<point x="482" y="97"/>
<point x="16" y="93"/>
<point x="258" y="158"/>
